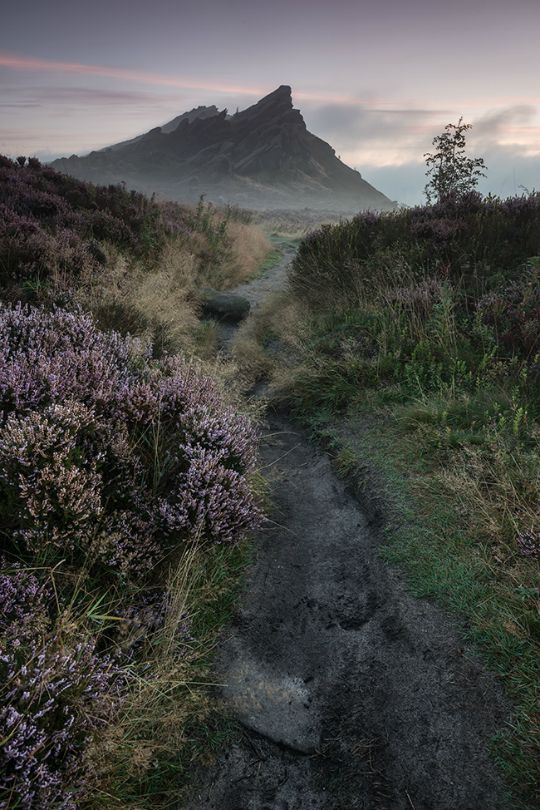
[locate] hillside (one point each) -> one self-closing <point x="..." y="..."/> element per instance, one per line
<point x="126" y="486"/>
<point x="261" y="157"/>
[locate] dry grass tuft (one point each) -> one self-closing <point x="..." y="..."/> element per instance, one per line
<point x="145" y="757"/>
<point x="160" y="301"/>
<point x="275" y="326"/>
<point x="249" y="248"/>
<point x="157" y="304"/>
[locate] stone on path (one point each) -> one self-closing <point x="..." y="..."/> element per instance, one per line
<point x="224" y="306"/>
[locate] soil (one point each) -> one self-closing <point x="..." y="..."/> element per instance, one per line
<point x="350" y="692"/>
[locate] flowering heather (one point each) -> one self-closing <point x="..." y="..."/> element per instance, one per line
<point x="52" y="701"/>
<point x="107" y="456"/>
<point x="28" y="252"/>
<point x="55" y="692"/>
<point x="46" y="358"/>
<point x="466" y="237"/>
<point x="52" y="486"/>
<point x="23" y="606"/>
<point x="514" y="311"/>
<point x="528" y="544"/>
<point x="52" y="227"/>
<point x="108" y="461"/>
<point x="210" y="500"/>
<point x="57" y="201"/>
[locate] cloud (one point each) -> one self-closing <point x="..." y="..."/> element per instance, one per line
<point x="492" y="124"/>
<point x="16" y="62"/>
<point x="508" y="174"/>
<point x="338" y="115"/>
<point x="9" y="137"/>
<point x="18" y="105"/>
<point x="77" y="95"/>
<point x="369" y="134"/>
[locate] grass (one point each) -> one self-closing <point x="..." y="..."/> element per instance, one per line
<point x="171" y="724"/>
<point x="432" y="539"/>
<point x="272" y="260"/>
<point x="294" y="224"/>
<point x="159" y="300"/>
<point x="408" y="343"/>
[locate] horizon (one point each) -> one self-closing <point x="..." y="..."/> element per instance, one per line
<point x="136" y="68"/>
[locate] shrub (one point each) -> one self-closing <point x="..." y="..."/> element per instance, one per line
<point x="449" y="170"/>
<point x="100" y="446"/>
<point x="480" y="242"/>
<point x="110" y="462"/>
<point x="514" y="312"/>
<point x="116" y="469"/>
<point x="56" y="692"/>
<point x="31" y="255"/>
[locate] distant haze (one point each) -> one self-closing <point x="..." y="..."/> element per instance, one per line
<point x="376" y="80"/>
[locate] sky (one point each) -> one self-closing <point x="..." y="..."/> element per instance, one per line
<point x="377" y="80"/>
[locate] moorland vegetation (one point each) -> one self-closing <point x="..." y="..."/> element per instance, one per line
<point x="409" y="342"/>
<point x="127" y="481"/>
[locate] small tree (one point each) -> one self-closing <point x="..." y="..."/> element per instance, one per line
<point x="449" y="170"/>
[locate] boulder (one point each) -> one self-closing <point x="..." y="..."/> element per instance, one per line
<point x="224" y="306"/>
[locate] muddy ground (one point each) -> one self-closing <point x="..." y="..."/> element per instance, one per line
<point x="350" y="692"/>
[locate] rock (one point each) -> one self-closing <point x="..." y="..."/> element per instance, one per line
<point x="263" y="156"/>
<point x="224" y="306"/>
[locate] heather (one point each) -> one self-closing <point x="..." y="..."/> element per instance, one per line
<point x="52" y="225"/>
<point x="127" y="481"/>
<point x="480" y="242"/>
<point x="136" y="262"/>
<point x="409" y="342"/>
<point x="113" y="466"/>
<point x="57" y="691"/>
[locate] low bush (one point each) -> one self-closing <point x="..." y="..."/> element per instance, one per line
<point x="479" y="242"/>
<point x="112" y="466"/>
<point x="107" y="457"/>
<point x="56" y="692"/>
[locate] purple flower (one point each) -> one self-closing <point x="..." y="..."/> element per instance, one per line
<point x="106" y="455"/>
<point x="52" y="700"/>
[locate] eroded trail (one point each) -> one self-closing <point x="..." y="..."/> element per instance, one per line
<point x="351" y="693"/>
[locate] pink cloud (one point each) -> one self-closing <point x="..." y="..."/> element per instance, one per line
<point x="30" y="63"/>
<point x="15" y="62"/>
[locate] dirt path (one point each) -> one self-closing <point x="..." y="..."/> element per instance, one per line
<point x="271" y="280"/>
<point x="351" y="693"/>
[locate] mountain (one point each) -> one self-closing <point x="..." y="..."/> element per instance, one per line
<point x="197" y="112"/>
<point x="261" y="157"/>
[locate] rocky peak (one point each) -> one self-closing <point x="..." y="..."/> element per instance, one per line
<point x="273" y="106"/>
<point x="261" y="156"/>
<point x="192" y="115"/>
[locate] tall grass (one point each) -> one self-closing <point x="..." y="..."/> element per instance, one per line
<point x="168" y="723"/>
